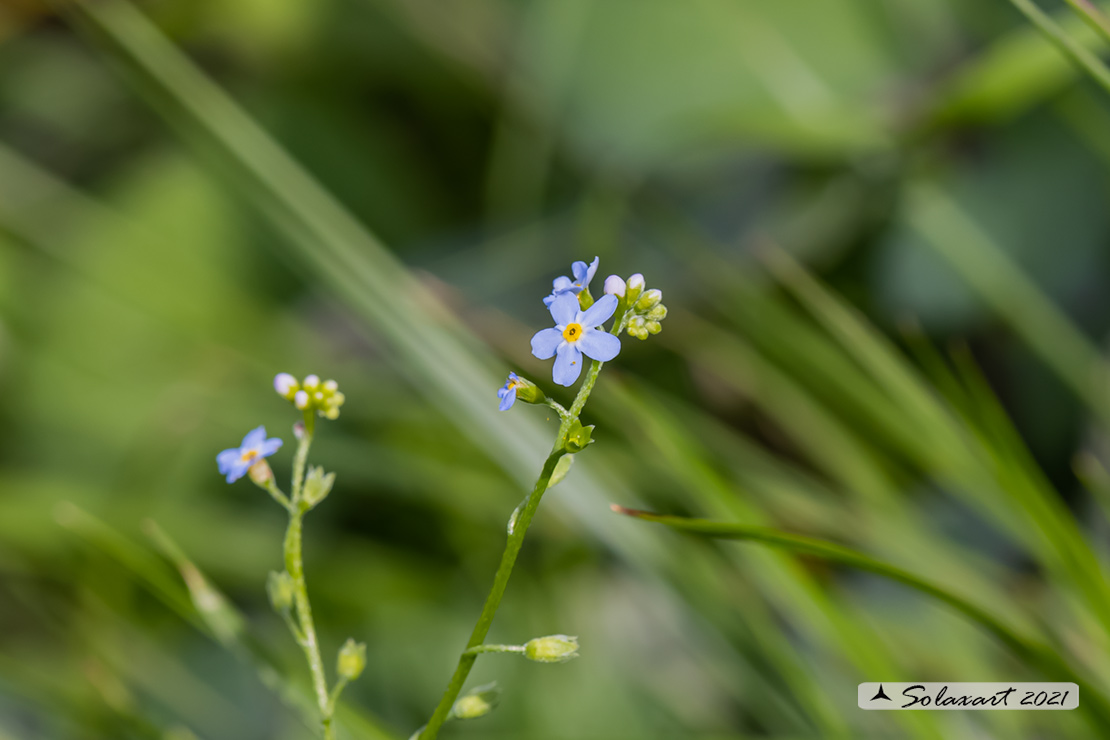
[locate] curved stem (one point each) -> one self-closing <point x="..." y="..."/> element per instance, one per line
<point x="294" y="564"/>
<point x="517" y="531"/>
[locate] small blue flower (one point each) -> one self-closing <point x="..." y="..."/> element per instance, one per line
<point x="583" y="274"/>
<point x="235" y="462"/>
<point x="574" y="335"/>
<point x="507" y="394"/>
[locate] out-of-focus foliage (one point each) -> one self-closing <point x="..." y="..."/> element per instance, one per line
<point x="197" y="195"/>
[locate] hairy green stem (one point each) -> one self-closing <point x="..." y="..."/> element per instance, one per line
<point x="522" y="518"/>
<point x="478" y="649"/>
<point x="294" y="564"/>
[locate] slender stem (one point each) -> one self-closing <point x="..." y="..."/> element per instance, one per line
<point x="493" y="601"/>
<point x="295" y="565"/>
<point x="478" y="649"/>
<point x="278" y="495"/>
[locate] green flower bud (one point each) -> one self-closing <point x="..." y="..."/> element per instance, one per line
<point x="637" y="327"/>
<point x="649" y="300"/>
<point x="578" y="437"/>
<point x="653" y="327"/>
<point x="657" y="314"/>
<point x="280" y="588"/>
<point x="352" y="659"/>
<point x="316" y="485"/>
<point x="551" y="649"/>
<point x="478" y="702"/>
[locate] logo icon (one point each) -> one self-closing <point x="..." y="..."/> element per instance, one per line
<point x="881" y="695"/>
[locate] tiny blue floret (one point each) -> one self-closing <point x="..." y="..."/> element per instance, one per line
<point x="507" y="393"/>
<point x="583" y="274"/>
<point x="236" y="461"/>
<point x="576" y="334"/>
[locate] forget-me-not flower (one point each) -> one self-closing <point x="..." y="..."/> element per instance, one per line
<point x="574" y="335"/>
<point x="236" y="461"/>
<point x="507" y="393"/>
<point x="583" y="274"/>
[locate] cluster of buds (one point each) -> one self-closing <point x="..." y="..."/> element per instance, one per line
<point x="644" y="309"/>
<point x="311" y="394"/>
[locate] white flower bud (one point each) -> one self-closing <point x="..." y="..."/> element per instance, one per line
<point x="649" y="299"/>
<point x="614" y="285"/>
<point x="286" y="385"/>
<point x="300" y="400"/>
<point x="312" y="382"/>
<point x="636" y="282"/>
<point x="330" y="386"/>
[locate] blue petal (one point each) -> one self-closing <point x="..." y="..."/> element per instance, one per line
<point x="508" y="399"/>
<point x="600" y="312"/>
<point x="547" y="299"/>
<point x="599" y="345"/>
<point x="254" y="437"/>
<point x="226" y="459"/>
<point x="583" y="274"/>
<point x="269" y="447"/>
<point x="592" y="271"/>
<point x="564" y="309"/>
<point x="545" y="342"/>
<point x="568" y="365"/>
<point x="580" y="271"/>
<point x="561" y="284"/>
<point x="237" y="471"/>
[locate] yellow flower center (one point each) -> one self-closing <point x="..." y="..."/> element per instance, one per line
<point x="573" y="332"/>
<point x="248" y="456"/>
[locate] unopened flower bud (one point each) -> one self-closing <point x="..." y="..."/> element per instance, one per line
<point x="635" y="287"/>
<point x="317" y="485"/>
<point x="614" y="285"/>
<point x="352" y="659"/>
<point x="478" y="702"/>
<point x="312" y="383"/>
<point x="649" y="300"/>
<point x="653" y="327"/>
<point x="280" y="588"/>
<point x="551" y="649"/>
<point x="300" y="400"/>
<point x="331" y="386"/>
<point x="286" y="385"/>
<point x="636" y="327"/>
<point x="298" y="430"/>
<point x="657" y="314"/>
<point x="260" y="473"/>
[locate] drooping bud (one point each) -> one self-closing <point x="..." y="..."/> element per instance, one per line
<point x="615" y="285"/>
<point x="280" y="588"/>
<point x="317" y="485"/>
<point x="352" y="659"/>
<point x="551" y="649"/>
<point x="478" y="702"/>
<point x="260" y="473"/>
<point x="286" y="385"/>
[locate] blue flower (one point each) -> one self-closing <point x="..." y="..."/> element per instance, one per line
<point x="583" y="274"/>
<point x="235" y="462"/>
<point x="574" y="335"/>
<point x="507" y="394"/>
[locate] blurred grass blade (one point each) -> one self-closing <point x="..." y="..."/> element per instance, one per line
<point x="1036" y="653"/>
<point x="1013" y="296"/>
<point x="1074" y="50"/>
<point x="1092" y="16"/>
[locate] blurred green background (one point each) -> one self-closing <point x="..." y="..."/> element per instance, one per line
<point x="197" y="195"/>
